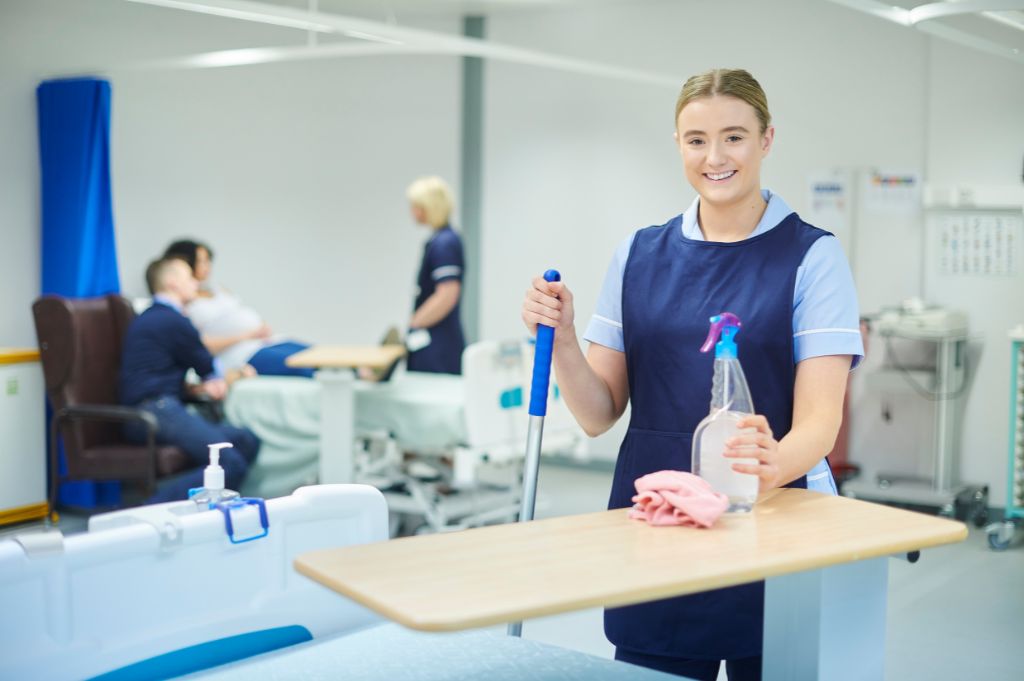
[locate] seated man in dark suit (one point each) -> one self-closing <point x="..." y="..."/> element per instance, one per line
<point x="160" y="346"/>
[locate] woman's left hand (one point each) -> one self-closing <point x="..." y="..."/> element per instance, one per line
<point x="760" y="444"/>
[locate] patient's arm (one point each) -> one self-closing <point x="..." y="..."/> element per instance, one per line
<point x="436" y="307"/>
<point x="217" y="344"/>
<point x="233" y="375"/>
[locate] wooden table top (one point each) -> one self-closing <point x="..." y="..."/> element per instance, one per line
<point x="503" y="573"/>
<point x="346" y="356"/>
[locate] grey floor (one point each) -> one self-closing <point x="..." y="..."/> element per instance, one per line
<point x="957" y="614"/>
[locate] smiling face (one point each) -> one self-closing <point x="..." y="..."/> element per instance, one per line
<point x="722" y="145"/>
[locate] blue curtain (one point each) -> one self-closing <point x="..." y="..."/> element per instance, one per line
<point x="79" y="257"/>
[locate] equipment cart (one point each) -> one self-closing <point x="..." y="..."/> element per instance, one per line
<point x="1000" y="533"/>
<point x="942" y="382"/>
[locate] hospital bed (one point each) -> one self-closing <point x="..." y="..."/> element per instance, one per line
<point x="158" y="591"/>
<point x="163" y="591"/>
<point x="445" y="450"/>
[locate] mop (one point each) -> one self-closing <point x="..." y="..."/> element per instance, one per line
<point x="535" y="433"/>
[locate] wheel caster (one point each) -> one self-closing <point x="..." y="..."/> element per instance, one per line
<point x="1000" y="534"/>
<point x="997" y="544"/>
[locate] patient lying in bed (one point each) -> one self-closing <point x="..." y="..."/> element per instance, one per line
<point x="232" y="331"/>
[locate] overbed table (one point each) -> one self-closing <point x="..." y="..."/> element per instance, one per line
<point x="335" y="364"/>
<point x="824" y="559"/>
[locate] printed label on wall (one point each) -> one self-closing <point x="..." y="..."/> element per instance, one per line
<point x="979" y="244"/>
<point x="892" y="192"/>
<point x="828" y="194"/>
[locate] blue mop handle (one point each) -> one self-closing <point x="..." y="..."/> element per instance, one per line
<point x="542" y="361"/>
<point x="538" y="409"/>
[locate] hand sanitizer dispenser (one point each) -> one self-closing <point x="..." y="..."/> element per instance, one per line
<point x="212" y="492"/>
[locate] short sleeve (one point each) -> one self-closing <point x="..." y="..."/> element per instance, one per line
<point x="605" y="327"/>
<point x="826" y="317"/>
<point x="444" y="259"/>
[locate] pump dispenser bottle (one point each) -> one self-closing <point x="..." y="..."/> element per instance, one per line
<point x="212" y="492"/>
<point x="730" y="402"/>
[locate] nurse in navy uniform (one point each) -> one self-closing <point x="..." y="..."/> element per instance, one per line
<point x="740" y="248"/>
<point x="435" y="340"/>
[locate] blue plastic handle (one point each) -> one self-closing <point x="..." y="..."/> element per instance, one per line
<point x="226" y="507"/>
<point x="542" y="361"/>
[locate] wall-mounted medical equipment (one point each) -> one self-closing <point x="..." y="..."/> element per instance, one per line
<point x="920" y="386"/>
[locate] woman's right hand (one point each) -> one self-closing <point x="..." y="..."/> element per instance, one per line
<point x="549" y="303"/>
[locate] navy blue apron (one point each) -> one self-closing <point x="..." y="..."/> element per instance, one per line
<point x="444" y="354"/>
<point x="670" y="288"/>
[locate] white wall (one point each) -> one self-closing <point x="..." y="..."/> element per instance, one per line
<point x="976" y="138"/>
<point x="294" y="173"/>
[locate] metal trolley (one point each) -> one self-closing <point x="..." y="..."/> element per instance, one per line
<point x="1001" y="533"/>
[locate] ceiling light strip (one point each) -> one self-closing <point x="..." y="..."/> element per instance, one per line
<point x="939" y="10"/>
<point x="286" y="20"/>
<point x="902" y="16"/>
<point x="973" y="41"/>
<point x="415" y="40"/>
<point x="889" y="12"/>
<point x="1005" y="20"/>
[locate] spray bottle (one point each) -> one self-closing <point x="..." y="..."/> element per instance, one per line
<point x="730" y="402"/>
<point x="212" y="492"/>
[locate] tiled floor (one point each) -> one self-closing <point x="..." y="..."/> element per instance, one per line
<point x="953" y="615"/>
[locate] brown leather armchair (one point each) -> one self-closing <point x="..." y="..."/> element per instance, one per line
<point x="80" y="346"/>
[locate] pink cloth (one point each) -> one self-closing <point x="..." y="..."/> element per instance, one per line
<point x="677" y="498"/>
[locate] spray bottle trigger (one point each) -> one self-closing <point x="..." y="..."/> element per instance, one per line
<point x="725" y="323"/>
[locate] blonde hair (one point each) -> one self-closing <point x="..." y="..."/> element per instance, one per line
<point x="736" y="83"/>
<point x="433" y="195"/>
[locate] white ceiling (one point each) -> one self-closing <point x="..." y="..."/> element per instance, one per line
<point x="993" y="26"/>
